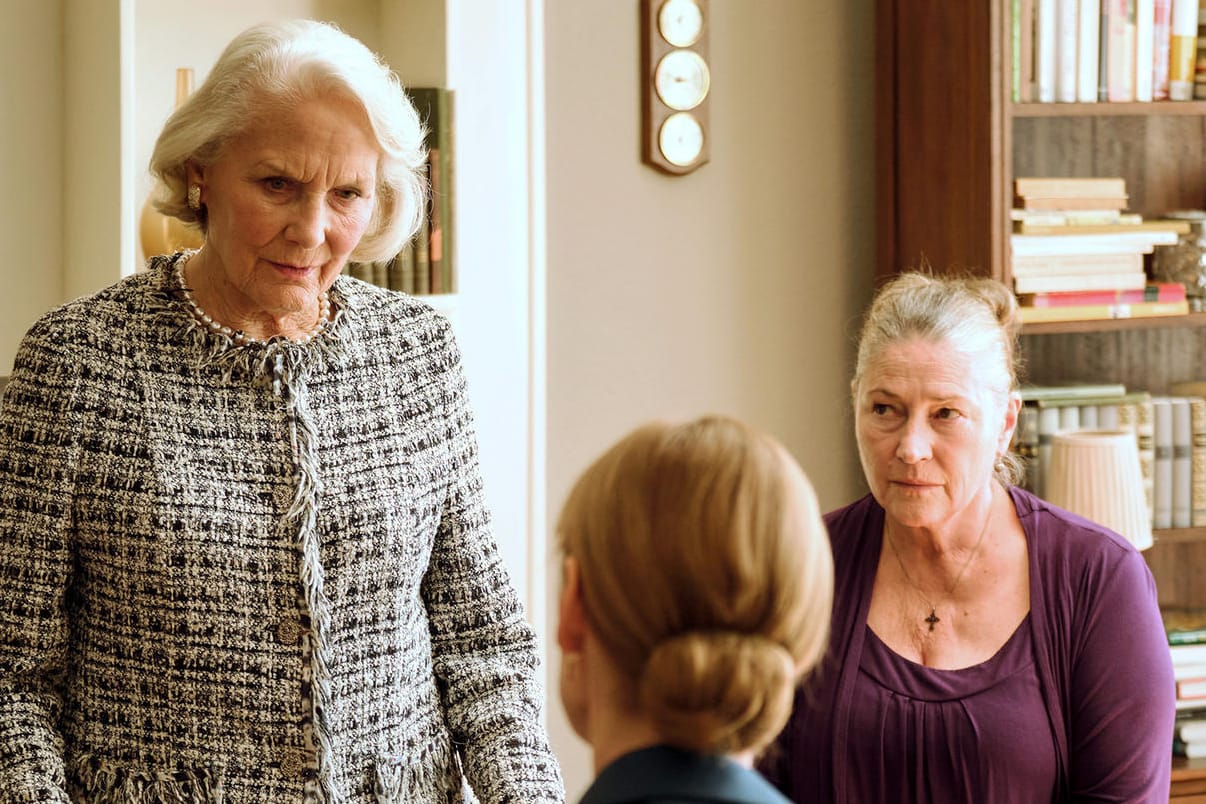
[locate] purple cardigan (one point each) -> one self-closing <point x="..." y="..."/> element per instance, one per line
<point x="1100" y="650"/>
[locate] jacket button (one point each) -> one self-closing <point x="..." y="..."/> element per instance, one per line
<point x="288" y="632"/>
<point x="292" y="763"/>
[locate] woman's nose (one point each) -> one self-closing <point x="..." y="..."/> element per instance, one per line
<point x="307" y="225"/>
<point x="915" y="442"/>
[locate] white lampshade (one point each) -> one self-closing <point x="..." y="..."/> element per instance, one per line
<point x="1096" y="473"/>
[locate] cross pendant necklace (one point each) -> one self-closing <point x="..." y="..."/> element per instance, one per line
<point x="934" y="619"/>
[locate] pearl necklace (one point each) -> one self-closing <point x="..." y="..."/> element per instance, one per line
<point x="237" y="335"/>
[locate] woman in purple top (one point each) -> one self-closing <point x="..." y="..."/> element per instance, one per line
<point x="985" y="646"/>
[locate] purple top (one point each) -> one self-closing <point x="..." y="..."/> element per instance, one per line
<point x="1078" y="704"/>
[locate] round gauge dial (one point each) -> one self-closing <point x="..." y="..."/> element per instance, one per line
<point x="681" y="139"/>
<point x="682" y="79"/>
<point x="680" y="22"/>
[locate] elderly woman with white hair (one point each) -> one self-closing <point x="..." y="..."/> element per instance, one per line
<point x="243" y="540"/>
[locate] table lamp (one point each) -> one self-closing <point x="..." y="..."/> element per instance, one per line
<point x="1095" y="473"/>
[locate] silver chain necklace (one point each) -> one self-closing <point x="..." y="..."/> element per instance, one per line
<point x="934" y="619"/>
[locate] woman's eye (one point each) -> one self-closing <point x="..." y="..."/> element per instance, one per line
<point x="276" y="183"/>
<point x="879" y="408"/>
<point x="348" y="194"/>
<point x="948" y="413"/>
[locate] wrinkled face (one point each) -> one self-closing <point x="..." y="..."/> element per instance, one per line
<point x="930" y="428"/>
<point x="287" y="202"/>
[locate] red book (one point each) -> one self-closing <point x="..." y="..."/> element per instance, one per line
<point x="1155" y="292"/>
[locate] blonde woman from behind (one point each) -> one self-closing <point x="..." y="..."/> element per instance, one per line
<point x="697" y="585"/>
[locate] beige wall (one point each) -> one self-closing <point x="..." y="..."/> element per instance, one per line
<point x="31" y="166"/>
<point x="734" y="289"/>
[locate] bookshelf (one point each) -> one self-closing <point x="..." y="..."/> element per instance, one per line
<point x="945" y="198"/>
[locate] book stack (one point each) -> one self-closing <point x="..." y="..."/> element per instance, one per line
<point x="1117" y="51"/>
<point x="425" y="264"/>
<point x="1170" y="434"/>
<point x="1186" y="631"/>
<point x="1076" y="256"/>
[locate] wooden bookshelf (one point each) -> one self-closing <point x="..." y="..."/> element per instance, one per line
<point x="1116" y="324"/>
<point x="1188" y="781"/>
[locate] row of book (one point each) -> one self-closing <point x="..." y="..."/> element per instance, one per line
<point x="1086" y="51"/>
<point x="425" y="264"/>
<point x="1186" y="631"/>
<point x="1170" y="433"/>
<point x="1075" y="255"/>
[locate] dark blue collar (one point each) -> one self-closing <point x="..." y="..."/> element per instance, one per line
<point x="672" y="775"/>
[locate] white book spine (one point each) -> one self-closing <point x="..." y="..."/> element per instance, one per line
<point x="1066" y="36"/>
<point x="1048" y="426"/>
<point x="1145" y="18"/>
<point x="1088" y="43"/>
<point x="1162" y="428"/>
<point x="1182" y="497"/>
<point x="1046" y="37"/>
<point x="1088" y="417"/>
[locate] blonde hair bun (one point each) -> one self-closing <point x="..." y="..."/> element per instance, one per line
<point x="718" y="692"/>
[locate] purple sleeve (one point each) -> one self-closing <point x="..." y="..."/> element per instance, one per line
<point x="1121" y="696"/>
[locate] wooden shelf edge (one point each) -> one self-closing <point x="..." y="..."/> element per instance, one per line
<point x="1113" y="324"/>
<point x="1178" y="535"/>
<point x="1153" y="108"/>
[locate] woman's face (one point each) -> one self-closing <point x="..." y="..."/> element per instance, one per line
<point x="287" y="201"/>
<point x="930" y="428"/>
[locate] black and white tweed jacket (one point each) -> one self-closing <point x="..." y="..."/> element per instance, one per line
<point x="260" y="573"/>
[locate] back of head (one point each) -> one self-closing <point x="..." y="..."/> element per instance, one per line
<point x="706" y="574"/>
<point x="272" y="66"/>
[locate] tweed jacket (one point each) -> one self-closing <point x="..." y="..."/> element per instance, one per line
<point x="257" y="573"/>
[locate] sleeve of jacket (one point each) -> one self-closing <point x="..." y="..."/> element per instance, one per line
<point x="37" y="458"/>
<point x="484" y="649"/>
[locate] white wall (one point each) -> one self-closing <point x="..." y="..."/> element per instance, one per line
<point x="733" y="289"/>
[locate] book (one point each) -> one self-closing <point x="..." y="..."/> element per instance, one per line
<point x="1162" y="431"/>
<point x="1089" y="19"/>
<point x="1072" y="203"/>
<point x="1048" y="426"/>
<point x="1026" y="50"/>
<point x="1102" y="312"/>
<point x="1065" y="264"/>
<point x="1026" y="227"/>
<point x="1188" y="750"/>
<point x="1141" y="242"/>
<point x="1135" y="414"/>
<point x="1069" y="187"/>
<point x="1194" y="653"/>
<point x="1103" y="52"/>
<point x="1185" y="626"/>
<point x="1064" y="217"/>
<point x="1191" y="688"/>
<point x="434" y="105"/>
<point x="1183" y="49"/>
<point x="1152" y="291"/>
<point x="1161" y="32"/>
<point x="1197" y="470"/>
<point x="1071" y="391"/>
<point x="1190" y="730"/>
<point x="1182" y="447"/>
<point x="1025" y="446"/>
<point x="1067" y="36"/>
<point x="1145" y="16"/>
<point x="1046" y="19"/>
<point x="1060" y="283"/>
<point x="1120" y="32"/>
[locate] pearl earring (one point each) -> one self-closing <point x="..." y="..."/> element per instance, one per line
<point x="194" y="197"/>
